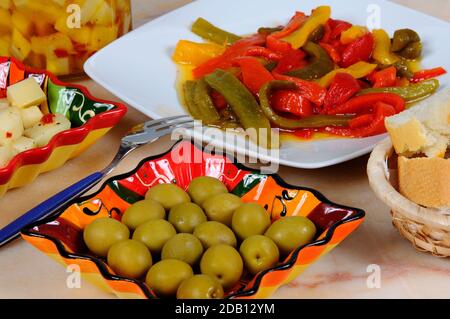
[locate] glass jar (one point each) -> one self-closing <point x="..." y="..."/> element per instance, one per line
<point x="60" y="35"/>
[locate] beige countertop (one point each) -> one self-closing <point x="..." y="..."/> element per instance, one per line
<point x="27" y="273"/>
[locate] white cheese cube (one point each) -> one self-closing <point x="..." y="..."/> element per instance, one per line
<point x="11" y="126"/>
<point x="31" y="116"/>
<point x="5" y="155"/>
<point x="25" y="93"/>
<point x="23" y="144"/>
<point x="43" y="132"/>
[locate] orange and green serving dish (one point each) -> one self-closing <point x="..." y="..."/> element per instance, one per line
<point x="61" y="236"/>
<point x="91" y="118"/>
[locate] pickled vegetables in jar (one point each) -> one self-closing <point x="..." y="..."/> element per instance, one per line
<point x="60" y="35"/>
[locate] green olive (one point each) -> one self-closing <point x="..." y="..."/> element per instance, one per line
<point x="203" y="187"/>
<point x="200" y="287"/>
<point x="411" y="51"/>
<point x="141" y="212"/>
<point x="129" y="258"/>
<point x="259" y="253"/>
<point x="402" y="38"/>
<point x="154" y="234"/>
<point x="213" y="233"/>
<point x="184" y="247"/>
<point x="221" y="207"/>
<point x="250" y="219"/>
<point x="168" y="195"/>
<point x="289" y="233"/>
<point x="224" y="263"/>
<point x="165" y="277"/>
<point x="102" y="233"/>
<point x="186" y="216"/>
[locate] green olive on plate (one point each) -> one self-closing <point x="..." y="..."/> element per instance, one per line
<point x="168" y="195"/>
<point x="102" y="233"/>
<point x="291" y="232"/>
<point x="259" y="253"/>
<point x="200" y="287"/>
<point x="129" y="258"/>
<point x="220" y="207"/>
<point x="213" y="233"/>
<point x="224" y="263"/>
<point x="186" y="216"/>
<point x="184" y="247"/>
<point x="166" y="276"/>
<point x="250" y="219"/>
<point x="141" y="212"/>
<point x="154" y="234"/>
<point x="203" y="187"/>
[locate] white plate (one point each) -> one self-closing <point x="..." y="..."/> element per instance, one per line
<point x="138" y="68"/>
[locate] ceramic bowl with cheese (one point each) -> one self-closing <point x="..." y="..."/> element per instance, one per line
<point x="45" y="122"/>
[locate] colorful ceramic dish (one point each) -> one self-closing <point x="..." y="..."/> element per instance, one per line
<point x="90" y="119"/>
<point x="61" y="237"/>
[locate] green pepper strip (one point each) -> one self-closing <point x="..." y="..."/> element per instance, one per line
<point x="242" y="102"/>
<point x="313" y="121"/>
<point x="199" y="102"/>
<point x="321" y="64"/>
<point x="210" y="32"/>
<point x="410" y="93"/>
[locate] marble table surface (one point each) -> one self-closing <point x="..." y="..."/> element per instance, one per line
<point x="346" y="272"/>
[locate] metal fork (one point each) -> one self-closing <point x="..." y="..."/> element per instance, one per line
<point x="139" y="135"/>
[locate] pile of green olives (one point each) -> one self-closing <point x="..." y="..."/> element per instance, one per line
<point x="195" y="244"/>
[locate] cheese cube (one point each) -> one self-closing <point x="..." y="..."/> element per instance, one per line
<point x="5" y="155"/>
<point x="5" y="21"/>
<point x="23" y="144"/>
<point x="22" y="23"/>
<point x="42" y="133"/>
<point x="31" y="116"/>
<point x="88" y="9"/>
<point x="58" y="66"/>
<point x="5" y="4"/>
<point x="25" y="93"/>
<point x="11" y="126"/>
<point x="5" y="42"/>
<point x="20" y="46"/>
<point x="105" y="15"/>
<point x="4" y="104"/>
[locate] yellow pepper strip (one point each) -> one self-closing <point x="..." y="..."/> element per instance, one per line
<point x="357" y="70"/>
<point x="318" y="17"/>
<point x="353" y="33"/>
<point x="382" y="52"/>
<point x="193" y="53"/>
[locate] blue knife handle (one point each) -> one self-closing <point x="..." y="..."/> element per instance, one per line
<point x="48" y="207"/>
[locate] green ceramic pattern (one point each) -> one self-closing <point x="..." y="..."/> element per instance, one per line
<point x="248" y="182"/>
<point x="71" y="102"/>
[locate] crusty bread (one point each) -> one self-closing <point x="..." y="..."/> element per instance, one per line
<point x="425" y="181"/>
<point x="424" y="128"/>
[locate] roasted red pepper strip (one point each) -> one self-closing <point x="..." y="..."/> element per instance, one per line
<point x="376" y="126"/>
<point x="219" y="101"/>
<point x="292" y="102"/>
<point x="311" y="90"/>
<point x="277" y="45"/>
<point x="385" y="78"/>
<point x="361" y="121"/>
<point x="254" y="74"/>
<point x="359" y="50"/>
<point x="293" y="59"/>
<point x="305" y="133"/>
<point x="332" y="52"/>
<point x="364" y="103"/>
<point x="337" y="27"/>
<point x="261" y="52"/>
<point x="296" y="21"/>
<point x="225" y="60"/>
<point x="427" y="74"/>
<point x="343" y="87"/>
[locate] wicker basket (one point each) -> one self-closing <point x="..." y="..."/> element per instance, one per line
<point x="427" y="229"/>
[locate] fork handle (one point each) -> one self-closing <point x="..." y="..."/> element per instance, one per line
<point x="48" y="207"/>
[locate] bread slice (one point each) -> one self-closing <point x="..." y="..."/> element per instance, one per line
<point x="424" y="128"/>
<point x="425" y="181"/>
